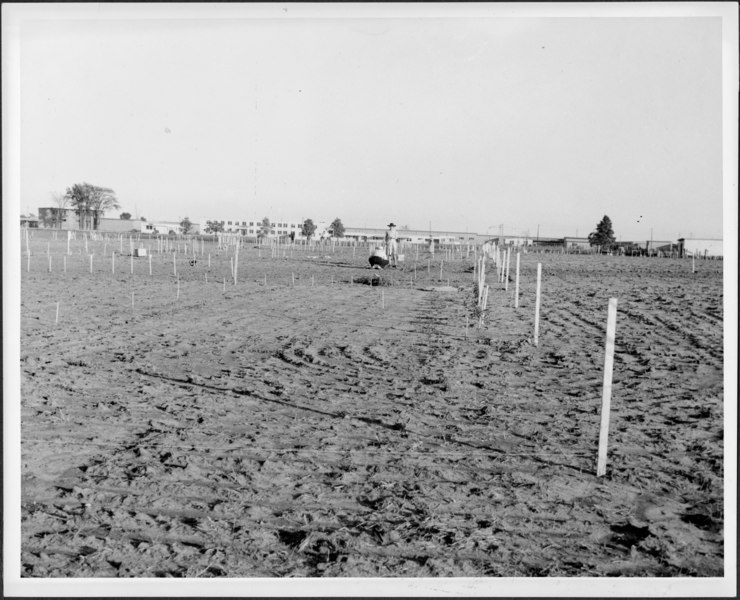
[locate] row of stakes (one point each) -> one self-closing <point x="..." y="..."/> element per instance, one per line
<point x="482" y="299"/>
<point x="482" y="289"/>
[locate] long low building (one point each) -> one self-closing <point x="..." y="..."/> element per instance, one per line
<point x="704" y="248"/>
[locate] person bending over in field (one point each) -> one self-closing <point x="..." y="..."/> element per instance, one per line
<point x="378" y="258"/>
<point x="391" y="244"/>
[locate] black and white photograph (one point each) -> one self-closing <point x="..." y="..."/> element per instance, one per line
<point x="370" y="299"/>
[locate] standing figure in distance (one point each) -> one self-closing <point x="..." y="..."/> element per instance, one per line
<point x="391" y="244"/>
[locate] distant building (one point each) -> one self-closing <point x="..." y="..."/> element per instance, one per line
<point x="253" y="226"/>
<point x="700" y="248"/>
<point x="576" y="244"/>
<point x="660" y="248"/>
<point x="58" y="218"/>
<point x="29" y="221"/>
<point x="413" y="236"/>
<point x="121" y="225"/>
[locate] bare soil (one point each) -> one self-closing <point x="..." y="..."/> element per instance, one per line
<point x="312" y="426"/>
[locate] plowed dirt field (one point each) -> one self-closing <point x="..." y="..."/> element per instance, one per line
<point x="304" y="423"/>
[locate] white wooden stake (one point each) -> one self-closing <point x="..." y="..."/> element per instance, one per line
<point x="516" y="284"/>
<point x="506" y="277"/>
<point x="64" y="263"/>
<point x="132" y="300"/>
<point x="209" y="260"/>
<point x="132" y="263"/>
<point x="606" y="397"/>
<point x="69" y="237"/>
<point x="56" y="319"/>
<point x="292" y="277"/>
<point x="49" y="263"/>
<point x="537" y="306"/>
<point x="236" y="262"/>
<point x="174" y="263"/>
<point x="693" y="264"/>
<point x="150" y="265"/>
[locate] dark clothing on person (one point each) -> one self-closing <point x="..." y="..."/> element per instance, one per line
<point x="377" y="260"/>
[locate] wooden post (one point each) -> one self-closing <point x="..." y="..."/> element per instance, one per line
<point x="56" y="319"/>
<point x="64" y="263"/>
<point x="224" y="285"/>
<point x="132" y="263"/>
<point x="174" y="263"/>
<point x="516" y="284"/>
<point x="506" y="277"/>
<point x="236" y="262"/>
<point x="150" y="265"/>
<point x="292" y="277"/>
<point x="209" y="260"/>
<point x="606" y="397"/>
<point x="69" y="237"/>
<point x="537" y="306"/>
<point x="49" y="263"/>
<point x="132" y="300"/>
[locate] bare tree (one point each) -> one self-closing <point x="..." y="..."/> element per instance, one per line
<point x="61" y="201"/>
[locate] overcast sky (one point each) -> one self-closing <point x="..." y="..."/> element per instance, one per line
<point x="464" y="123"/>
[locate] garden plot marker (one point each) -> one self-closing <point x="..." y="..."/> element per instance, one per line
<point x="606" y="398"/>
<point x="516" y="284"/>
<point x="506" y="277"/>
<point x="537" y="306"/>
<point x="236" y="262"/>
<point x="56" y="319"/>
<point x="49" y="263"/>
